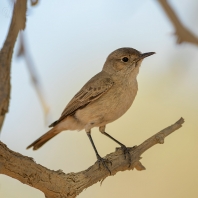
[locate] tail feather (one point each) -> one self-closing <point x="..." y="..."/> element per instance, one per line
<point x="43" y="139"/>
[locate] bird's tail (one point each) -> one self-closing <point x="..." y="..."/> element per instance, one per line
<point x="43" y="139"/>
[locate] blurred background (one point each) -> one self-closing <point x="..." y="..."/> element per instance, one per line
<point x="68" y="42"/>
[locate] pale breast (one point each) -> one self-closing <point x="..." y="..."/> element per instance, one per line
<point x="124" y="97"/>
<point x="110" y="106"/>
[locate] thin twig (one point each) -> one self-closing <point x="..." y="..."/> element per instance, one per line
<point x="34" y="2"/>
<point x="23" y="51"/>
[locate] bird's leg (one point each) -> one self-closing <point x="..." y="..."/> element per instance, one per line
<point x="126" y="150"/>
<point x="99" y="158"/>
<point x="123" y="147"/>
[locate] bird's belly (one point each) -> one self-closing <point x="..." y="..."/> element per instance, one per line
<point x="119" y="105"/>
<point x="108" y="108"/>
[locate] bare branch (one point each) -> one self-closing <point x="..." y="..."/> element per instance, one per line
<point x="17" y="24"/>
<point x="23" y="51"/>
<point x="57" y="184"/>
<point x="34" y="2"/>
<point x="181" y="32"/>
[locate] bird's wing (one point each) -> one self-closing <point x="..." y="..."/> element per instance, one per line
<point x="91" y="91"/>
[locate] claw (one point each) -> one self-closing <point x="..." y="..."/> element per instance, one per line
<point x="104" y="163"/>
<point x="126" y="152"/>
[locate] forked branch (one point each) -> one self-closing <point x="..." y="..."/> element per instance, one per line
<point x="181" y="32"/>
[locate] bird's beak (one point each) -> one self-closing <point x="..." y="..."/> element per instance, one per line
<point x="142" y="56"/>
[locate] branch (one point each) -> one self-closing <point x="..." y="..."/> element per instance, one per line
<point x="17" y="24"/>
<point x="181" y="32"/>
<point x="34" y="2"/>
<point x="23" y="52"/>
<point x="57" y="184"/>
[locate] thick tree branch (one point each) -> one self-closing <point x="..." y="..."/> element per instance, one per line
<point x="57" y="184"/>
<point x="17" y="24"/>
<point x="181" y="32"/>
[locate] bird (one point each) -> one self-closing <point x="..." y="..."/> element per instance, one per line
<point x="102" y="100"/>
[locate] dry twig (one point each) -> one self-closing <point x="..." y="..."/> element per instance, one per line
<point x="34" y="2"/>
<point x="181" y="32"/>
<point x="57" y="184"/>
<point x="23" y="52"/>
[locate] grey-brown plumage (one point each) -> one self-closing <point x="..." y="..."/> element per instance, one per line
<point x="103" y="99"/>
<point x="92" y="90"/>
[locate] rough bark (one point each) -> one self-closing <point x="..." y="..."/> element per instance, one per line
<point x="57" y="184"/>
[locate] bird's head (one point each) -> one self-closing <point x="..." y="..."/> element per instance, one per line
<point x="124" y="61"/>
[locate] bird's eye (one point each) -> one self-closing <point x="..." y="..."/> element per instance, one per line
<point x="125" y="59"/>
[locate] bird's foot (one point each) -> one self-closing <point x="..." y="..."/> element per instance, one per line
<point x="126" y="152"/>
<point x="104" y="162"/>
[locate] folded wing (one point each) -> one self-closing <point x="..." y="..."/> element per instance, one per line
<point x="91" y="91"/>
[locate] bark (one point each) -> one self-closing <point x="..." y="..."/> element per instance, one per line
<point x="57" y="184"/>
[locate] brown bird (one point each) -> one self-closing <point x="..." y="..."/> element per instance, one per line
<point x="103" y="99"/>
